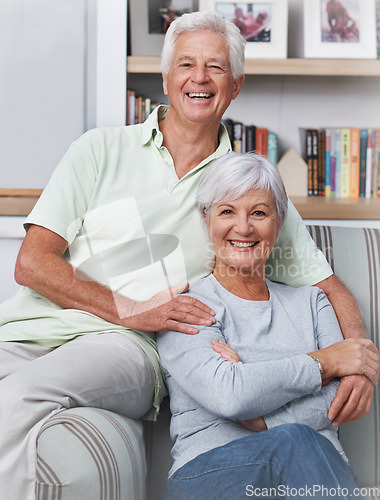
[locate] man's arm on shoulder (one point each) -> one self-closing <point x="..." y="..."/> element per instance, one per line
<point x="355" y="392"/>
<point x="40" y="266"/>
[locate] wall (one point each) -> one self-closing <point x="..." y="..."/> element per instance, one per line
<point x="62" y="71"/>
<point x="11" y="234"/>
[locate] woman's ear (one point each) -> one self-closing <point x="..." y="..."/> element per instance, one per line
<point x="205" y="217"/>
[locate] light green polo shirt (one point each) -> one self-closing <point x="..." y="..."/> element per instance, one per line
<point x="133" y="226"/>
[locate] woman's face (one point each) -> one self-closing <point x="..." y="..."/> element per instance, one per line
<point x="243" y="233"/>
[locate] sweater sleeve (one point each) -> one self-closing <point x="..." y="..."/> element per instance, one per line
<point x="312" y="409"/>
<point x="236" y="391"/>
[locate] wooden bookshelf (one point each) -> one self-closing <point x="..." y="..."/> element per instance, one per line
<point x="21" y="201"/>
<point x="319" y="207"/>
<point x="291" y="66"/>
<point x="18" y="201"/>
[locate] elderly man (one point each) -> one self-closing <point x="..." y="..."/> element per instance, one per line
<point x="113" y="241"/>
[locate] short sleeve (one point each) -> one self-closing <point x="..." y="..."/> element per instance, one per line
<point x="295" y="259"/>
<point x="65" y="200"/>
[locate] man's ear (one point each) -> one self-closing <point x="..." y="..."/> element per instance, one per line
<point x="164" y="84"/>
<point x="238" y="84"/>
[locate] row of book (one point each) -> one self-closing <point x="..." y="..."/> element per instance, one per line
<point x="138" y="107"/>
<point x="246" y="138"/>
<point x="243" y="137"/>
<point x="343" y="162"/>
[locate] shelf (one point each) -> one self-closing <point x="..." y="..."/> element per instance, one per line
<point x="315" y="207"/>
<point x="21" y="201"/>
<point x="299" y="66"/>
<point x="18" y="201"/>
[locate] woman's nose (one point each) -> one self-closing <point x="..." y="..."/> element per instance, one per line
<point x="244" y="225"/>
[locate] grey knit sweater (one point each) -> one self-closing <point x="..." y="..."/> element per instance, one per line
<point x="274" y="379"/>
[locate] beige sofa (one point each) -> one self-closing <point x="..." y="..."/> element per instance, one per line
<point x="90" y="454"/>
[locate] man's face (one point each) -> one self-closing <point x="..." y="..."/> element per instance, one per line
<point x="199" y="84"/>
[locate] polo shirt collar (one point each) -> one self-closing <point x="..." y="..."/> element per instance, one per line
<point x="150" y="126"/>
<point x="151" y="130"/>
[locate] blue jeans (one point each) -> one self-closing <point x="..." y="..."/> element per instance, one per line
<point x="288" y="461"/>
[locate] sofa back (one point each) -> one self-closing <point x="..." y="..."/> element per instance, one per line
<point x="354" y="255"/>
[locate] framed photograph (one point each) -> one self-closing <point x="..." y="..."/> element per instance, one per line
<point x="378" y="27"/>
<point x="149" y="20"/>
<point x="340" y="29"/>
<point x="263" y="23"/>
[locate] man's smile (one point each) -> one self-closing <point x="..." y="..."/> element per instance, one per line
<point x="199" y="95"/>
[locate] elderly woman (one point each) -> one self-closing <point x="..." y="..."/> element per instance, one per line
<point x="290" y="353"/>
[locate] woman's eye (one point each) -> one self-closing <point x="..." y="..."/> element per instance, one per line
<point x="226" y="212"/>
<point x="259" y="213"/>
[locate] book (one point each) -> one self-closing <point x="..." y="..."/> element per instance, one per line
<point x="337" y="163"/>
<point x="250" y="138"/>
<point x="355" y="163"/>
<point x="376" y="170"/>
<point x="229" y="124"/>
<point x="237" y="142"/>
<point x="309" y="161"/>
<point x="345" y="146"/>
<point x="272" y="147"/>
<point x="363" y="161"/>
<point x="368" y="173"/>
<point x="333" y="161"/>
<point x="321" y="161"/>
<point x="315" y="157"/>
<point x="328" y="163"/>
<point x="261" y="141"/>
<point x="131" y="108"/>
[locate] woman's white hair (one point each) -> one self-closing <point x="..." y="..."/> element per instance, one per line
<point x="210" y="21"/>
<point x="233" y="175"/>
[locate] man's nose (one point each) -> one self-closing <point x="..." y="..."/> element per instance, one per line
<point x="200" y="74"/>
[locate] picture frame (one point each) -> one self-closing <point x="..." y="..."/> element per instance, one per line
<point x="264" y="24"/>
<point x="147" y="21"/>
<point x="330" y="32"/>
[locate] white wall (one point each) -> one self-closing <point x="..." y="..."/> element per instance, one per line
<point x="62" y="71"/>
<point x="11" y="235"/>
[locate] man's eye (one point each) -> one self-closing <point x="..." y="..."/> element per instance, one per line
<point x="215" y="67"/>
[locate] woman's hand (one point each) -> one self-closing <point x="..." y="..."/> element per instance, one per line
<point x="254" y="424"/>
<point x="350" y="357"/>
<point x="225" y="351"/>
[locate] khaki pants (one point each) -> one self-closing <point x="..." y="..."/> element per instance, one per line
<point x="108" y="371"/>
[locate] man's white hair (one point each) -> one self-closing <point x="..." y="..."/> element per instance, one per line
<point x="210" y="21"/>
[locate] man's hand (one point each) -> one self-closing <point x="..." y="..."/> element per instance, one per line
<point x="349" y="357"/>
<point x="352" y="401"/>
<point x="40" y="266"/>
<point x="167" y="310"/>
